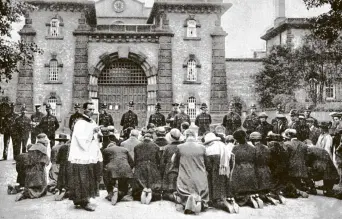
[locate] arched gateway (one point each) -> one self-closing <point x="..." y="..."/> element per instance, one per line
<point x="116" y="80"/>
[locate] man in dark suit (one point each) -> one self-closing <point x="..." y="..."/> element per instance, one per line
<point x="49" y="125"/>
<point x="171" y="116"/>
<point x="129" y="119"/>
<point x="23" y="126"/>
<point x="157" y="118"/>
<point x="75" y="116"/>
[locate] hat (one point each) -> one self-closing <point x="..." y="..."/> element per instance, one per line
<point x="280" y="115"/>
<point x="301" y="116"/>
<point x="160" y="131"/>
<point x="335" y="114"/>
<point x="289" y="132"/>
<point x="148" y="135"/>
<point x="77" y="105"/>
<point x="48" y="106"/>
<point x="62" y="137"/>
<point x="239" y="134"/>
<point x="255" y="136"/>
<point x="307" y="109"/>
<point x="41" y="135"/>
<point x="271" y="136"/>
<point x="229" y="138"/>
<point x="220" y="129"/>
<point x="293" y="112"/>
<point x="103" y="106"/>
<point x="37" y="106"/>
<point x="175" y="104"/>
<point x="131" y="103"/>
<point x="231" y="105"/>
<point x="263" y="115"/>
<point x="324" y="125"/>
<point x="253" y="106"/>
<point x="158" y="106"/>
<point x="111" y="128"/>
<point x="210" y="137"/>
<point x="310" y="119"/>
<point x="175" y="136"/>
<point x="182" y="105"/>
<point x="111" y="134"/>
<point x="23" y="109"/>
<point x="204" y="105"/>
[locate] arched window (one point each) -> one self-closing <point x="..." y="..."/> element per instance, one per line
<point x="53" y="102"/>
<point x="191" y="70"/>
<point x="191" y="111"/>
<point x="53" y="70"/>
<point x="191" y="28"/>
<point x="54" y="27"/>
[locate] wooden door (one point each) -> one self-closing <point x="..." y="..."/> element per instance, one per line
<point x="119" y="83"/>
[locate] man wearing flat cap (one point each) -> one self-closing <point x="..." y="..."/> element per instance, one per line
<point x="171" y="116"/>
<point x="9" y="129"/>
<point x="181" y="117"/>
<point x="157" y="118"/>
<point x="303" y="130"/>
<point x="264" y="127"/>
<point x="252" y="121"/>
<point x="231" y="121"/>
<point x="23" y="126"/>
<point x="294" y="115"/>
<point x="129" y="119"/>
<point x="49" y="125"/>
<point x="35" y="120"/>
<point x="307" y="115"/>
<point x="105" y="119"/>
<point x="279" y="124"/>
<point x="75" y="116"/>
<point x="325" y="140"/>
<point x="203" y="120"/>
<point x="314" y="131"/>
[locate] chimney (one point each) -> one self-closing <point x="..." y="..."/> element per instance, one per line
<point x="279" y="11"/>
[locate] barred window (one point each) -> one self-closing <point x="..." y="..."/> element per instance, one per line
<point x="53" y="70"/>
<point x="329" y="91"/>
<point x="54" y="27"/>
<point x="53" y="102"/>
<point x="192" y="107"/>
<point x="191" y="29"/>
<point x="191" y="71"/>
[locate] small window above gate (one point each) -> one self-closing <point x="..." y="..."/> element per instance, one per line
<point x="122" y="72"/>
<point x="192" y="109"/>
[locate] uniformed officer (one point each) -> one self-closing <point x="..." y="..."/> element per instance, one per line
<point x="203" y="120"/>
<point x="157" y="118"/>
<point x="9" y="129"/>
<point x="23" y="127"/>
<point x="181" y="117"/>
<point x="35" y="120"/>
<point x="171" y="116"/>
<point x="129" y="119"/>
<point x="252" y="121"/>
<point x="75" y="116"/>
<point x="231" y="121"/>
<point x="105" y="119"/>
<point x="49" y="124"/>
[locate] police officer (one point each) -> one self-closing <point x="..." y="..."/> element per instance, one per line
<point x="105" y="119"/>
<point x="171" y="116"/>
<point x="231" y="121"/>
<point x="9" y="129"/>
<point x="181" y="117"/>
<point x="23" y="126"/>
<point x="129" y="119"/>
<point x="35" y="120"/>
<point x="75" y="116"/>
<point x="49" y="124"/>
<point x="157" y="118"/>
<point x="203" y="120"/>
<point x="252" y="121"/>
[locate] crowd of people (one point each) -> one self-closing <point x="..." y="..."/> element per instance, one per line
<point x="225" y="167"/>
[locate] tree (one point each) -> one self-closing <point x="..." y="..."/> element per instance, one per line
<point x="13" y="53"/>
<point x="327" y="25"/>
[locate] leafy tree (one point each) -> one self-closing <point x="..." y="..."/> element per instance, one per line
<point x="327" y="25"/>
<point x="13" y="53"/>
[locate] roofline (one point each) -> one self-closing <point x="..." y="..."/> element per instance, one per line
<point x="296" y="23"/>
<point x="244" y="59"/>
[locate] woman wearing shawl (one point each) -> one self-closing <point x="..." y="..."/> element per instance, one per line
<point x="86" y="160"/>
<point x="35" y="174"/>
<point x="219" y="164"/>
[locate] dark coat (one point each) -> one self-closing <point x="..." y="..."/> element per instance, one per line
<point x="117" y="162"/>
<point x="169" y="118"/>
<point x="106" y="119"/>
<point x="251" y="123"/>
<point x="314" y="134"/>
<point x="21" y="162"/>
<point x="203" y="122"/>
<point x="65" y="171"/>
<point x="244" y="179"/>
<point x="129" y="119"/>
<point x="279" y="125"/>
<point x="23" y="126"/>
<point x="263" y="128"/>
<point x="169" y="171"/>
<point x="303" y="131"/>
<point x="180" y="118"/>
<point x="48" y="125"/>
<point x="9" y="123"/>
<point x="263" y="171"/>
<point x="36" y="118"/>
<point x="232" y="122"/>
<point x="320" y="165"/>
<point x="73" y="119"/>
<point x="146" y="163"/>
<point x="297" y="152"/>
<point x="157" y="119"/>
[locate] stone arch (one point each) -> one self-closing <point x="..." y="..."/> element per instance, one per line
<point x="52" y="94"/>
<point x="136" y="57"/>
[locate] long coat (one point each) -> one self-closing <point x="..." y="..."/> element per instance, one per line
<point x="263" y="171"/>
<point x="251" y="123"/>
<point x="146" y="163"/>
<point x="320" y="165"/>
<point x="279" y="163"/>
<point x="203" y="122"/>
<point x="297" y="152"/>
<point x="117" y="162"/>
<point x="180" y="118"/>
<point x="65" y="170"/>
<point x="23" y="126"/>
<point x="232" y="122"/>
<point x="21" y="163"/>
<point x="130" y="144"/>
<point x="157" y="119"/>
<point x="192" y="175"/>
<point x="244" y="179"/>
<point x="9" y="123"/>
<point x="129" y="119"/>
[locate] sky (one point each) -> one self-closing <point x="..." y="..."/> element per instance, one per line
<point x="245" y="22"/>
